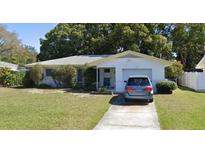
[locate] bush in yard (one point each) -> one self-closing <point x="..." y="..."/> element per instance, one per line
<point x="65" y="76"/>
<point x="174" y="71"/>
<point x="19" y="78"/>
<point x="36" y="73"/>
<point x="166" y="86"/>
<point x="90" y="78"/>
<point x="10" y="78"/>
<point x="7" y="78"/>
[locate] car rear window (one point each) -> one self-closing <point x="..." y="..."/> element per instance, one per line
<point x="138" y="82"/>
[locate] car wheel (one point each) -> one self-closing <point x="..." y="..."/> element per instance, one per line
<point x="150" y="100"/>
<point x="126" y="100"/>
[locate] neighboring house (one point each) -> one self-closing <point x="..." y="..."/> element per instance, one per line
<point x="11" y="66"/>
<point x="201" y="64"/>
<point x="195" y="80"/>
<point x="111" y="70"/>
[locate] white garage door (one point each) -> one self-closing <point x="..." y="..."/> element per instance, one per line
<point x="130" y="72"/>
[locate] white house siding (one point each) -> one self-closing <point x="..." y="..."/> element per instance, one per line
<point x="134" y="63"/>
<point x="193" y="80"/>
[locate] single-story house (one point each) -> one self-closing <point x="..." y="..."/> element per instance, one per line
<point x="111" y="70"/>
<point x="201" y="64"/>
<point x="11" y="66"/>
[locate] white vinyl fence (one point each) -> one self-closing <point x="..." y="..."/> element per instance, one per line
<point x="193" y="80"/>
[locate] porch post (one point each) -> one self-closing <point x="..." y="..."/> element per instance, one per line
<point x="96" y="78"/>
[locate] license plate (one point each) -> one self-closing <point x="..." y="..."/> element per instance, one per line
<point x="138" y="90"/>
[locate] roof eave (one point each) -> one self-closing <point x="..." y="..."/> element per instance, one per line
<point x="52" y="65"/>
<point x="162" y="61"/>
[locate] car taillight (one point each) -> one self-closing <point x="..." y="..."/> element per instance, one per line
<point x="129" y="89"/>
<point x="148" y="89"/>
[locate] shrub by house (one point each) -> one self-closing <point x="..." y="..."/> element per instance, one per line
<point x="10" y="78"/>
<point x="174" y="71"/>
<point x="37" y="73"/>
<point x="65" y="76"/>
<point x="166" y="86"/>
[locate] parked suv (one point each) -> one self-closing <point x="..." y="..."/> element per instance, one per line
<point x="138" y="87"/>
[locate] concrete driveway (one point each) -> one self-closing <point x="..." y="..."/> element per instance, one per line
<point x="131" y="115"/>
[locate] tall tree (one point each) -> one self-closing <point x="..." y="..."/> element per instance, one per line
<point x="31" y="53"/>
<point x="141" y="38"/>
<point x="97" y="39"/>
<point x="63" y="40"/>
<point x="74" y="39"/>
<point x="8" y="41"/>
<point x="183" y="42"/>
<point x="12" y="50"/>
<point x="188" y="43"/>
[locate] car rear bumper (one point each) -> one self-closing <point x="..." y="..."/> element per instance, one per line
<point x="141" y="97"/>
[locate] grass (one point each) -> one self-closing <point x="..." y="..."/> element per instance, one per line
<point x="182" y="110"/>
<point x="23" y="110"/>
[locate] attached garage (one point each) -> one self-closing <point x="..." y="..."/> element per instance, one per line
<point x="132" y="72"/>
<point x="129" y="64"/>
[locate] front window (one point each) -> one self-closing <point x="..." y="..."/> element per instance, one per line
<point x="138" y="82"/>
<point x="107" y="70"/>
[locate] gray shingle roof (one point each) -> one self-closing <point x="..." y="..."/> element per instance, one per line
<point x="72" y="60"/>
<point x="93" y="60"/>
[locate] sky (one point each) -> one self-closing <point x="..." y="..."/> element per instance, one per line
<point x="30" y="33"/>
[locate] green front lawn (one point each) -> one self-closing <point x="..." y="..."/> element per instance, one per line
<point x="21" y="109"/>
<point x="184" y="109"/>
<point x="27" y="109"/>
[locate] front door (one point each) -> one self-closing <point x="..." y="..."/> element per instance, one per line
<point x="106" y="82"/>
<point x="107" y="78"/>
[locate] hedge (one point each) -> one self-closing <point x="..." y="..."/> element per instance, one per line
<point x="36" y="73"/>
<point x="166" y="86"/>
<point x="65" y="76"/>
<point x="9" y="78"/>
